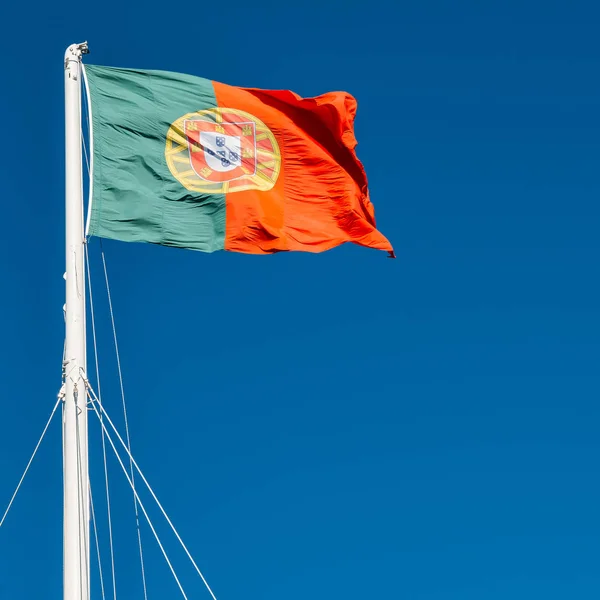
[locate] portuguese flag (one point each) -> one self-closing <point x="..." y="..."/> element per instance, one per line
<point x="187" y="162"/>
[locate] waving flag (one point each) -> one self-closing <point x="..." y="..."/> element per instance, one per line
<point x="183" y="161"/>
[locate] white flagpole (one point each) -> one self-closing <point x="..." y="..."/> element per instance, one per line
<point x="75" y="455"/>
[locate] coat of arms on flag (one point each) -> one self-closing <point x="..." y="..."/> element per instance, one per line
<point x="222" y="150"/>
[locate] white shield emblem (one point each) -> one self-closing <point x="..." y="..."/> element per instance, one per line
<point x="222" y="152"/>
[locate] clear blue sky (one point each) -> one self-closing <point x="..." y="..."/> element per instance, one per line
<point x="339" y="425"/>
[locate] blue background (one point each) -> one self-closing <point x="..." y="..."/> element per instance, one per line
<point x="338" y="425"/>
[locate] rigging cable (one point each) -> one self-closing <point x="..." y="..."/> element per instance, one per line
<point x="97" y="543"/>
<point x="94" y="397"/>
<point x="135" y="497"/>
<point x="108" y="506"/>
<point x="141" y="505"/>
<point x="82" y="508"/>
<point x="60" y="397"/>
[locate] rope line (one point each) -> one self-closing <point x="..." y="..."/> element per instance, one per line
<point x="135" y="501"/>
<point x="83" y="508"/>
<point x="153" y="495"/>
<point x="30" y="460"/>
<point x="108" y="505"/>
<point x="87" y="161"/>
<point x="110" y="441"/>
<point x="97" y="543"/>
